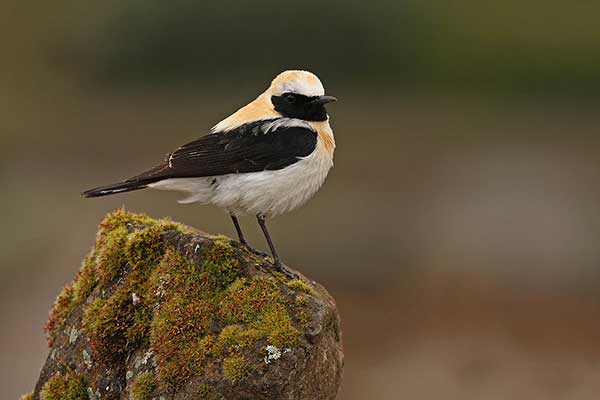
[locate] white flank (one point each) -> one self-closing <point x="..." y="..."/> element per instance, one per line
<point x="270" y="193"/>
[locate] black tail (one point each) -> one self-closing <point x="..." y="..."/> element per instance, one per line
<point x="121" y="187"/>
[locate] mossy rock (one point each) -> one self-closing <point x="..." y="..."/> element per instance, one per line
<point x="161" y="311"/>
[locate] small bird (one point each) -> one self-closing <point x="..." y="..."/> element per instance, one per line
<point x="267" y="158"/>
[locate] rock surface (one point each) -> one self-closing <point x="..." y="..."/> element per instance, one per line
<point x="161" y="311"/>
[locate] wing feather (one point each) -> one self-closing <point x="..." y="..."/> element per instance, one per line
<point x="262" y="145"/>
<point x="249" y="148"/>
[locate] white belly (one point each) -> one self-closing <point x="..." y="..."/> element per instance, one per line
<point x="270" y="193"/>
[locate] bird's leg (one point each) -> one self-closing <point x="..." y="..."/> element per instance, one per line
<point x="263" y="226"/>
<point x="238" y="229"/>
<point x="277" y="262"/>
<point x="241" y="236"/>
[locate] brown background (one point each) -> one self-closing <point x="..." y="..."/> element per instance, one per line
<point x="458" y="230"/>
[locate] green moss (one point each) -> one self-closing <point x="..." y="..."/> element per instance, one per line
<point x="105" y="321"/>
<point x="280" y="276"/>
<point x="234" y="338"/>
<point x="247" y="302"/>
<point x="236" y="368"/>
<point x="237" y="284"/>
<point x="182" y="321"/>
<point x="123" y="318"/>
<point x="189" y="315"/>
<point x="143" y="386"/>
<point x="116" y="322"/>
<point x="144" y="247"/>
<point x="166" y="225"/>
<point x="138" y="331"/>
<point x="204" y="391"/>
<point x="302" y="286"/>
<point x="104" y="263"/>
<point x="303" y="318"/>
<point x="110" y="257"/>
<point x="85" y="281"/>
<point x="64" y="387"/>
<point x="261" y="305"/>
<point x="198" y="299"/>
<point x="121" y="218"/>
<point x="61" y="308"/>
<point x="176" y="369"/>
<point x="73" y="294"/>
<point x="301" y="301"/>
<point x="27" y="396"/>
<point x="221" y="267"/>
<point x="278" y="325"/>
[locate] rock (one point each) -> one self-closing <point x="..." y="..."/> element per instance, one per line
<point x="161" y="311"/>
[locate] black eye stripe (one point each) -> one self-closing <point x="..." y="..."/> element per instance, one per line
<point x="299" y="107"/>
<point x="298" y="98"/>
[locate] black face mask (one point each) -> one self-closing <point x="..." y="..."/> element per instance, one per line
<point x="292" y="105"/>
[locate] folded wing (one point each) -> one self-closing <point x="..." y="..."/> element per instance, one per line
<point x="257" y="146"/>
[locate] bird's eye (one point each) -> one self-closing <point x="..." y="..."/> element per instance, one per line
<point x="290" y="98"/>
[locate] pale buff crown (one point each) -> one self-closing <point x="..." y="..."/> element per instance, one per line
<point x="296" y="81"/>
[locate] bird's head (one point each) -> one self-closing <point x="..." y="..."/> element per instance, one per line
<point x="299" y="94"/>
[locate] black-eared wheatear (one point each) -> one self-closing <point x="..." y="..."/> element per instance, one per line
<point x="267" y="158"/>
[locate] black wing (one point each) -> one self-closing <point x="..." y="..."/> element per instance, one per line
<point x="257" y="146"/>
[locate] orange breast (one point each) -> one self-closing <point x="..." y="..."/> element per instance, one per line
<point x="325" y="134"/>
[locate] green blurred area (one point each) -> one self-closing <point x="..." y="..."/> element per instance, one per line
<point x="458" y="230"/>
<point x="507" y="46"/>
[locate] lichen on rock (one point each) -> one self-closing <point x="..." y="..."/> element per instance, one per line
<point x="159" y="309"/>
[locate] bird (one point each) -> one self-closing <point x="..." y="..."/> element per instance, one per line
<point x="266" y="159"/>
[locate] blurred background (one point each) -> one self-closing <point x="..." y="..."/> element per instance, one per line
<point x="458" y="231"/>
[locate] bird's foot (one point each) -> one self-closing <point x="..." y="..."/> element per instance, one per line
<point x="279" y="267"/>
<point x="255" y="251"/>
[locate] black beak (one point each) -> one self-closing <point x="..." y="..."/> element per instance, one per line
<point x="319" y="100"/>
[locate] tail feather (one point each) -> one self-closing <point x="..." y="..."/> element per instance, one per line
<point x="121" y="187"/>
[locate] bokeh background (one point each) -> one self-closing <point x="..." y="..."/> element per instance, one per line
<point x="459" y="230"/>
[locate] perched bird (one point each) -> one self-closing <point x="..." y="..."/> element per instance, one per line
<point x="267" y="158"/>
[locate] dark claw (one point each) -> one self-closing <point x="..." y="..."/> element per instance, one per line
<point x="279" y="267"/>
<point x="255" y="251"/>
